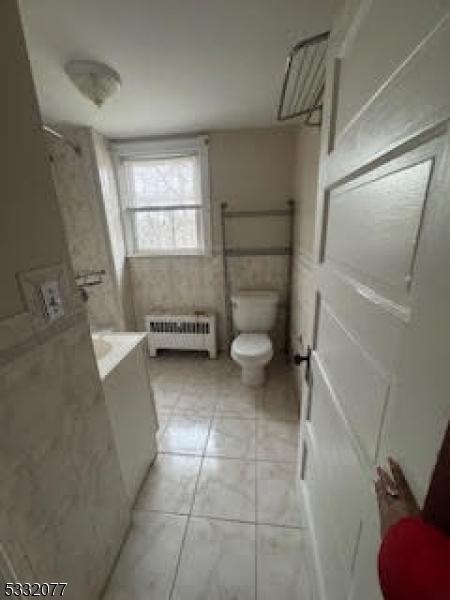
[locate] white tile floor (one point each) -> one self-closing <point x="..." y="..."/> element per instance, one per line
<point x="218" y="517"/>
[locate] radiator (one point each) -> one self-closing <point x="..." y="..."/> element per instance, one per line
<point x="181" y="332"/>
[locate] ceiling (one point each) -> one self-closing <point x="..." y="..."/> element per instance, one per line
<point x="186" y="65"/>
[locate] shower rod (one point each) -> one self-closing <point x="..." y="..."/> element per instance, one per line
<point x="56" y="134"/>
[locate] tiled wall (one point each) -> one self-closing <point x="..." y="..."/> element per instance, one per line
<point x="64" y="509"/>
<point x="185" y="283"/>
<point x="177" y="284"/>
<point x="79" y="194"/>
<point x="111" y="208"/>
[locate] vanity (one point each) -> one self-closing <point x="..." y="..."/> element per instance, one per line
<point x="123" y="367"/>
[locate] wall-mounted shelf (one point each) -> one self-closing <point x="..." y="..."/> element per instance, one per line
<point x="273" y="251"/>
<point x="233" y="214"/>
<point x="238" y="252"/>
<point x="89" y="278"/>
<point x="245" y="214"/>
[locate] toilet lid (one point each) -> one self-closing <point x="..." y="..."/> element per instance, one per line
<point x="252" y="346"/>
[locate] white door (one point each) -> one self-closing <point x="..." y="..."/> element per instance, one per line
<point x="379" y="381"/>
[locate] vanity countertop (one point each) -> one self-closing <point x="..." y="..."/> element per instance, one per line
<point x="111" y="348"/>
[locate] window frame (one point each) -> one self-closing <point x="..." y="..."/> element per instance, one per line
<point x="141" y="149"/>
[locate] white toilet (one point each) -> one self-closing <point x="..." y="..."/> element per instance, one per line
<point x="254" y="315"/>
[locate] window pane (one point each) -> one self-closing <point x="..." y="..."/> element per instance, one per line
<point x="170" y="230"/>
<point x="164" y="181"/>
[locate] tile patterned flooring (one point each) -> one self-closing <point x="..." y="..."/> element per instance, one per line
<point x="218" y="516"/>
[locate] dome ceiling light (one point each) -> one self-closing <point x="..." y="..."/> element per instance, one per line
<point x="95" y="80"/>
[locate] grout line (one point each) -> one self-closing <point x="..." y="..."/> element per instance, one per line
<point x="177" y="568"/>
<point x="243" y="521"/>
<point x="237" y="417"/>
<point x="243" y="459"/>
<point x="160" y="511"/>
<point x="256" y="524"/>
<point x="224" y="519"/>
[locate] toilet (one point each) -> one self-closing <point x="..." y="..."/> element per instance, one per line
<point x="254" y="314"/>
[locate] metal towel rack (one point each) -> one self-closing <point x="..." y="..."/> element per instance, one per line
<point x="85" y="279"/>
<point x="304" y="80"/>
<point x="263" y="251"/>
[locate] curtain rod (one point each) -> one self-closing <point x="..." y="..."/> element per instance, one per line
<point x="61" y="137"/>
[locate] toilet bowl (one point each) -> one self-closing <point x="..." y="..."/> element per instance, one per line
<point x="252" y="351"/>
<point x="254" y="314"/>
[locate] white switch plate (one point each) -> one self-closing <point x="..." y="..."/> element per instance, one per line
<point x="51" y="299"/>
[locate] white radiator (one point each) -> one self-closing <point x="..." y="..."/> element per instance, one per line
<point x="181" y="332"/>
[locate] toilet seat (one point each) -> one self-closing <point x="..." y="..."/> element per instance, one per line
<point x="252" y="348"/>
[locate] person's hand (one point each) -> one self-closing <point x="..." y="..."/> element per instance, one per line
<point x="395" y="499"/>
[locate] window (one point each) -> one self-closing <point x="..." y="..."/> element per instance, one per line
<point x="164" y="193"/>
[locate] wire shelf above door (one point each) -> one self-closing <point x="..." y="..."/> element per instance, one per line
<point x="304" y="80"/>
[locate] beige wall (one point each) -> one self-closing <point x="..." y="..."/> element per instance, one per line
<point x="64" y="509"/>
<point x="249" y="169"/>
<point x="30" y="225"/>
<point x="307" y="147"/>
<point x="305" y="186"/>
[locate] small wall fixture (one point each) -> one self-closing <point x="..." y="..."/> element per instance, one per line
<point x="96" y="81"/>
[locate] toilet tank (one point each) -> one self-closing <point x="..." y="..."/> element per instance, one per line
<point x="254" y="311"/>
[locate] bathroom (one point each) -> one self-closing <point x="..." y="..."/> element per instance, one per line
<point x="178" y="343"/>
<point x="209" y="421"/>
<point x="179" y="421"/>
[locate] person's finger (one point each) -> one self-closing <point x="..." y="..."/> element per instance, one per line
<point x="386" y="479"/>
<point x="384" y="505"/>
<point x="379" y="492"/>
<point x="401" y="481"/>
<point x="383" y="497"/>
<point x="380" y="483"/>
<point x="399" y="476"/>
<point x="379" y="488"/>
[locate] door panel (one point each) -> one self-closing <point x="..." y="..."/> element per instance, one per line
<point x="354" y="399"/>
<point x="419" y="406"/>
<point x="379" y="382"/>
<point x="340" y="471"/>
<point x="368" y="63"/>
<point x="357" y="379"/>
<point x="365" y="585"/>
<point x="374" y="321"/>
<point x="333" y="579"/>
<point x="373" y="225"/>
<point x="414" y="99"/>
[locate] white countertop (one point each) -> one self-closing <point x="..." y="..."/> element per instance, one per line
<point x="120" y="345"/>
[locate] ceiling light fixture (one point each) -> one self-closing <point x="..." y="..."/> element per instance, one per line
<point x="95" y="80"/>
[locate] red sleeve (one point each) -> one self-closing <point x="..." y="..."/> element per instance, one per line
<point x="414" y="562"/>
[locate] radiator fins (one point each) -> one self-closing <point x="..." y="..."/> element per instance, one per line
<point x="192" y="328"/>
